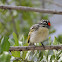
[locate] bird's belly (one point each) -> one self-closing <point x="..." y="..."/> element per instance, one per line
<point x="40" y="36"/>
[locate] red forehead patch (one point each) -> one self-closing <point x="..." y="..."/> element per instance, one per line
<point x="49" y="24"/>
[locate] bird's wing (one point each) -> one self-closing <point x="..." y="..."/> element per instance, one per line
<point x="28" y="38"/>
<point x="33" y="28"/>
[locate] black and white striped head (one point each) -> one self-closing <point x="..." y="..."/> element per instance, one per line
<point x="45" y="23"/>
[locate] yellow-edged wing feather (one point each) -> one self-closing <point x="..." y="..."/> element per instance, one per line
<point x="30" y="34"/>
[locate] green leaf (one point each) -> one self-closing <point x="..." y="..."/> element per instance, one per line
<point x="26" y="44"/>
<point x="57" y="56"/>
<point x="5" y="57"/>
<point x="60" y="52"/>
<point x="59" y="38"/>
<point x="16" y="40"/>
<point x="24" y="54"/>
<point x="50" y="41"/>
<point x="12" y="42"/>
<point x="5" y="45"/>
<point x="52" y="58"/>
<point x="15" y="53"/>
<point x="55" y="41"/>
<point x="41" y="55"/>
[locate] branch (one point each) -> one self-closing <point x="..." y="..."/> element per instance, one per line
<point x="30" y="9"/>
<point x="26" y="48"/>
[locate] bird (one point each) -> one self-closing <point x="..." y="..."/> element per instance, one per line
<point x="39" y="32"/>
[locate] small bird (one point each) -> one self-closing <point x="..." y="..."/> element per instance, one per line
<point x="39" y="32"/>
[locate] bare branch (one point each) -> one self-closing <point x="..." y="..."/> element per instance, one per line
<point x="31" y="9"/>
<point x="26" y="48"/>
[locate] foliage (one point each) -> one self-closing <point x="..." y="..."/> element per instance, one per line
<point x="16" y="43"/>
<point x="4" y="50"/>
<point x="5" y="57"/>
<point x="14" y="28"/>
<point x="4" y="44"/>
<point x="28" y="56"/>
<point x="59" y="39"/>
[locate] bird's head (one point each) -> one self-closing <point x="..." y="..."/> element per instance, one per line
<point x="45" y="23"/>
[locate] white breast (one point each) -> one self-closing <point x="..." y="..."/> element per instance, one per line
<point x="40" y="35"/>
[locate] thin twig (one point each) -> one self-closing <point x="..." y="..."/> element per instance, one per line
<point x="26" y="48"/>
<point x="30" y="9"/>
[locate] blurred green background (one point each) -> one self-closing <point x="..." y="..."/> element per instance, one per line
<point x="14" y="29"/>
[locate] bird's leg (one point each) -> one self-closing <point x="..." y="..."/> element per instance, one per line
<point x="43" y="45"/>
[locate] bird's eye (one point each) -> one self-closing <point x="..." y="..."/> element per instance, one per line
<point x="32" y="27"/>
